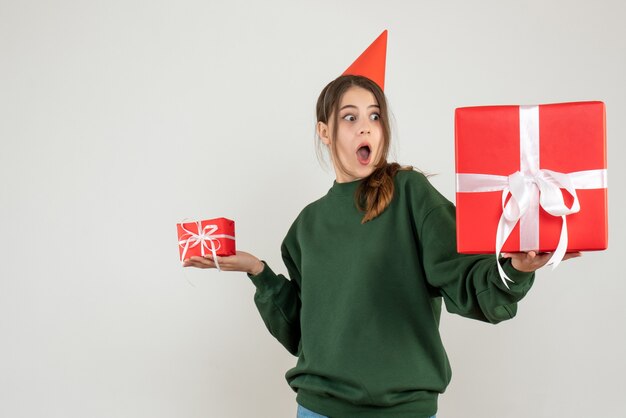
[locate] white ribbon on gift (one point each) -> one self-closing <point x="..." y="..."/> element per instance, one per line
<point x="205" y="235"/>
<point x="529" y="188"/>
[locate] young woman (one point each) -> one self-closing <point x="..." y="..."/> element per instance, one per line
<point x="369" y="265"/>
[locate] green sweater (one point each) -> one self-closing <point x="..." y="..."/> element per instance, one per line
<point x="362" y="308"/>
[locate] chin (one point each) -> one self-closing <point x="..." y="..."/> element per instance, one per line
<point x="365" y="172"/>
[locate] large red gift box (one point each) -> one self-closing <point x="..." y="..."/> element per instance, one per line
<point x="211" y="236"/>
<point x="531" y="178"/>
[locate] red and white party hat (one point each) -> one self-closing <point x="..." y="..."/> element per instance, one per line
<point x="371" y="63"/>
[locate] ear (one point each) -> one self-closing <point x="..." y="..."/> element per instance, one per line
<point x="323" y="131"/>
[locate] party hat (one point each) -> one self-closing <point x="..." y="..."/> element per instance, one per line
<point x="371" y="63"/>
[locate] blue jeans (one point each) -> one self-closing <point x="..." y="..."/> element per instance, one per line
<point x="305" y="413"/>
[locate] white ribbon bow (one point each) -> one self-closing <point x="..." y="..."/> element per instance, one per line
<point x="530" y="188"/>
<point x="551" y="200"/>
<point x="205" y="235"/>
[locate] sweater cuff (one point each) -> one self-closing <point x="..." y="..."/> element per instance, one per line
<point x="519" y="277"/>
<point x="266" y="279"/>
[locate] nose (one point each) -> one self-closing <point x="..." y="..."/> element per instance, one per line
<point x="365" y="128"/>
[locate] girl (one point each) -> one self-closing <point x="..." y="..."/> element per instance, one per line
<point x="369" y="265"/>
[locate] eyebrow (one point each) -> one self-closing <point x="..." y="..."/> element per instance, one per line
<point x="354" y="107"/>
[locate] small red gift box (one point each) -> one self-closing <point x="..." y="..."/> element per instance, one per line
<point x="531" y="178"/>
<point x="212" y="236"/>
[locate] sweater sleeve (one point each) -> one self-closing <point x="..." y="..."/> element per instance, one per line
<point x="278" y="300"/>
<point x="469" y="284"/>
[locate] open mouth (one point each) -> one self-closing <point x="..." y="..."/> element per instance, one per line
<point x="363" y="154"/>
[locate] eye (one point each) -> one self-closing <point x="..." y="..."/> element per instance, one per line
<point x="349" y="118"/>
<point x="374" y="116"/>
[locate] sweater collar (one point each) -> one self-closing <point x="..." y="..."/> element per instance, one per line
<point x="344" y="189"/>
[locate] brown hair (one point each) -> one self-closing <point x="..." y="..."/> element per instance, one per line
<point x="374" y="194"/>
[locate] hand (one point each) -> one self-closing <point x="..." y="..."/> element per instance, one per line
<point x="531" y="261"/>
<point x="244" y="262"/>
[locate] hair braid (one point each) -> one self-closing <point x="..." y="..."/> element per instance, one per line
<point x="376" y="191"/>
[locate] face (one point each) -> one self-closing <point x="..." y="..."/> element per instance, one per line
<point x="359" y="135"/>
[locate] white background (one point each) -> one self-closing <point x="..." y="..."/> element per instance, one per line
<point x="120" y="118"/>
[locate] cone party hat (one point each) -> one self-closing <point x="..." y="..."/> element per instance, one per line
<point x="371" y="63"/>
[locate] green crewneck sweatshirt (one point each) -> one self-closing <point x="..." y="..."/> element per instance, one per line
<point x="362" y="306"/>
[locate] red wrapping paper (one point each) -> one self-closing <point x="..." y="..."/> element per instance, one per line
<point x="571" y="138"/>
<point x="199" y="238"/>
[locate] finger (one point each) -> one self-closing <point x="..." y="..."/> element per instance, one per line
<point x="202" y="260"/>
<point x="219" y="260"/>
<point x="543" y="256"/>
<point x="189" y="263"/>
<point x="572" y="255"/>
<point x="196" y="265"/>
<point x="221" y="257"/>
<point x="190" y="260"/>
